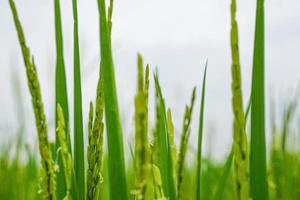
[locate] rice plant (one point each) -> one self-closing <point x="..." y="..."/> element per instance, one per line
<point x="258" y="165"/>
<point x="159" y="167"/>
<point x="240" y="143"/>
<point x="48" y="181"/>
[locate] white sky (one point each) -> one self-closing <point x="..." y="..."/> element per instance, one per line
<point x="177" y="36"/>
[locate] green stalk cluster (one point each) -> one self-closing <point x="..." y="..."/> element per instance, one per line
<point x="184" y="140"/>
<point x="64" y="150"/>
<point x="95" y="146"/>
<point x="240" y="145"/>
<point x="142" y="158"/>
<point x="48" y="184"/>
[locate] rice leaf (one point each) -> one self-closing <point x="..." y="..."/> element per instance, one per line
<point x="200" y="136"/>
<point x="47" y="176"/>
<point x="117" y="179"/>
<point x="78" y="126"/>
<point x="223" y="180"/>
<point x="61" y="97"/>
<point x="60" y="76"/>
<point x="258" y="168"/>
<point x="248" y="111"/>
<point x="165" y="165"/>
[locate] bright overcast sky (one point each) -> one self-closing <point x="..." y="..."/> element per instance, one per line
<point x="175" y="35"/>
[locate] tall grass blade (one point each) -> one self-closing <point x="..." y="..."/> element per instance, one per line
<point x="48" y="183"/>
<point x="165" y="165"/>
<point x="247" y="113"/>
<point x="240" y="143"/>
<point x="258" y="168"/>
<point x="78" y="126"/>
<point x="60" y="76"/>
<point x="200" y="136"/>
<point x="224" y="178"/>
<point x="117" y="180"/>
<point x="60" y="94"/>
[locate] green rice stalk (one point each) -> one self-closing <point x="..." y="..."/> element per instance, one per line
<point x="113" y="124"/>
<point x="157" y="182"/>
<point x="172" y="143"/>
<point x="200" y="136"/>
<point x="95" y="147"/>
<point x="240" y="143"/>
<point x="166" y="165"/>
<point x="156" y="135"/>
<point x="96" y="128"/>
<point x="258" y="168"/>
<point x="142" y="158"/>
<point x="48" y="183"/>
<point x="65" y="154"/>
<point x="78" y="125"/>
<point x="184" y="141"/>
<point x="61" y="96"/>
<point x="109" y="17"/>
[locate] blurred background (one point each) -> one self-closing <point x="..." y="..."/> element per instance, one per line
<point x="174" y="35"/>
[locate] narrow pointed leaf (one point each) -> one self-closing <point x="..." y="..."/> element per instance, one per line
<point x="165" y="165"/>
<point x="78" y="126"/>
<point x="117" y="180"/>
<point x="224" y="178"/>
<point x="200" y="136"/>
<point x="60" y="94"/>
<point x="258" y="168"/>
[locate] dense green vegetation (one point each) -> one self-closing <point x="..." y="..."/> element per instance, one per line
<point x="158" y="168"/>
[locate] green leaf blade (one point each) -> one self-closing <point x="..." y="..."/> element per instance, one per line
<point x="78" y="124"/>
<point x="60" y="94"/>
<point x="258" y="168"/>
<point x="117" y="178"/>
<point x="200" y="136"/>
<point x="166" y="164"/>
<point x="223" y="180"/>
